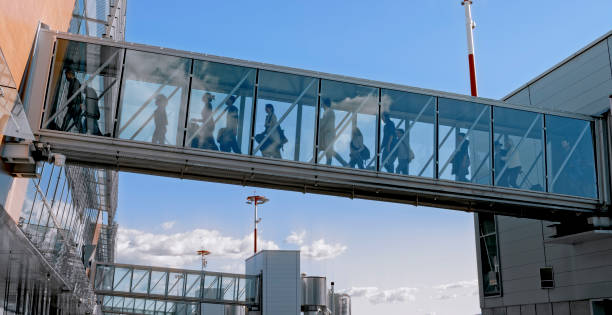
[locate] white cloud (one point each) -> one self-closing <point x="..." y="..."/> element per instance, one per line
<point x="179" y="249"/>
<point x="457" y="285"/>
<point x="444" y="297"/>
<point x="168" y="225"/>
<point x="320" y="250"/>
<point x="377" y="296"/>
<point x="296" y="238"/>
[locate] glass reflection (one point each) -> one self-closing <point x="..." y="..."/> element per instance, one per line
<point x="140" y="281"/>
<point x="220" y="108"/>
<point x="346" y="105"/>
<point x="518" y="149"/>
<point x="83" y="88"/>
<point x="407" y="133"/>
<point x="571" y="157"/>
<point x="153" y="98"/>
<point x="285" y="116"/>
<point x="122" y="279"/>
<point x="192" y="285"/>
<point x="176" y="283"/>
<point x="464" y="141"/>
<point x="158" y="282"/>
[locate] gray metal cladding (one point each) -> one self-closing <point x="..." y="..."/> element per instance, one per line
<point x="580" y="85"/>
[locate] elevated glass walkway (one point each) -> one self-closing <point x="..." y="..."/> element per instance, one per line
<point x="153" y="290"/>
<point x="174" y="113"/>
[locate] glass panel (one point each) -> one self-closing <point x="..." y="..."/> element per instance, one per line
<point x="347" y="124"/>
<point x="140" y="281"/>
<point x="158" y="282"/>
<point x="83" y="88"/>
<point x="121" y="280"/>
<point x="193" y="285"/>
<point x="180" y="309"/>
<point x="488" y="255"/>
<point x="228" y="288"/>
<point x="118" y="303"/>
<point x="241" y="291"/>
<point x="407" y="133"/>
<point x="571" y="157"/>
<point x="104" y="277"/>
<point x="211" y="287"/>
<point x="139" y="305"/>
<point x="518" y="153"/>
<point x="285" y="118"/>
<point x="220" y="108"/>
<point x="128" y="305"/>
<point x="160" y="307"/>
<point x="149" y="307"/>
<point x="191" y="309"/>
<point x="171" y="308"/>
<point x="251" y="285"/>
<point x="6" y="79"/>
<point x="153" y="98"/>
<point x="107" y="301"/>
<point x="464" y="141"/>
<point x="176" y="283"/>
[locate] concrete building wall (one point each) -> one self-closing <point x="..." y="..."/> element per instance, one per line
<point x="580" y="84"/>
<point x="281" y="287"/>
<point x="582" y="271"/>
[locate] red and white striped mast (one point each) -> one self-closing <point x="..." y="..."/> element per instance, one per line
<point x="256" y="200"/>
<point x="469" y="27"/>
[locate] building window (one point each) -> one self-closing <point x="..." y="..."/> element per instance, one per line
<point x="489" y="255"/>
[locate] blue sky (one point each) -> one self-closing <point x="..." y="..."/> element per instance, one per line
<point x="371" y="246"/>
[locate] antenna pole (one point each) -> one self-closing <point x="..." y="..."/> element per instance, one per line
<point x="469" y="27"/>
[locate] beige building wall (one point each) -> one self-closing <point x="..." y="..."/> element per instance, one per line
<point x="18" y="23"/>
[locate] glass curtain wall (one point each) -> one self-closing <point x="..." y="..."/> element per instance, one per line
<point x="285" y="116"/>
<point x="205" y="105"/>
<point x="348" y="117"/>
<point x="464" y="139"/>
<point x="518" y="149"/>
<point x="571" y="157"/>
<point x="220" y="107"/>
<point x="153" y="98"/>
<point x="407" y="133"/>
<point x="50" y="216"/>
<point x="84" y="85"/>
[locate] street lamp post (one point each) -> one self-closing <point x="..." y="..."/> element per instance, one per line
<point x="255" y="201"/>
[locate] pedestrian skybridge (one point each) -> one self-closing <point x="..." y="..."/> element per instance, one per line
<point x="173" y="113"/>
<point x="128" y="289"/>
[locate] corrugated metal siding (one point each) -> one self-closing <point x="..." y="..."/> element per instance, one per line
<point x="281" y="281"/>
<point x="581" y="85"/>
<point x="520" y="98"/>
<point x="581" y="271"/>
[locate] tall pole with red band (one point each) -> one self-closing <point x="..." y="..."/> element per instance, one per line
<point x="469" y="27"/>
<point x="255" y="201"/>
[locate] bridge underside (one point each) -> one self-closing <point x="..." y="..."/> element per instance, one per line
<point x="213" y="166"/>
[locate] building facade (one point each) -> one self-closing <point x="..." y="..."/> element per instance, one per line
<point x="541" y="267"/>
<point x="55" y="220"/>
